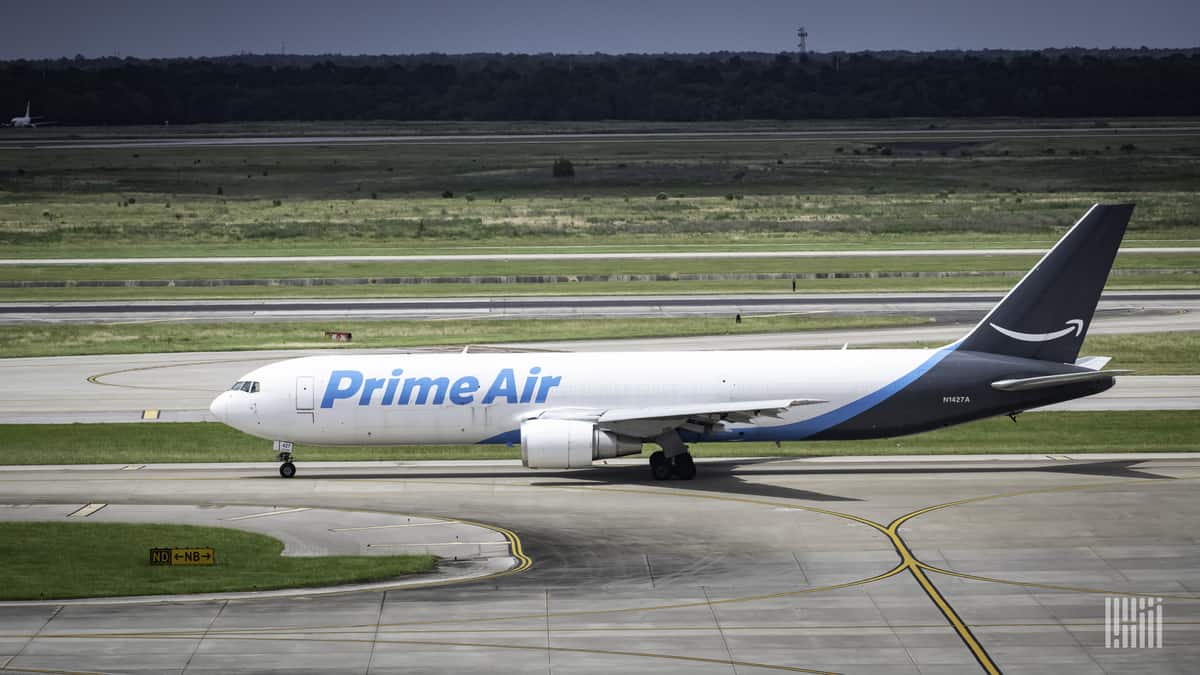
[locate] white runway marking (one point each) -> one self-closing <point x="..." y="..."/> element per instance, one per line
<point x="86" y="511"/>
<point x="267" y="514"/>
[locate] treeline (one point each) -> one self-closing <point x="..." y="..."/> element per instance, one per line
<point x="702" y="87"/>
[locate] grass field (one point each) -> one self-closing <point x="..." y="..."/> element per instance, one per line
<point x="853" y="190"/>
<point x="468" y="278"/>
<point x="1037" y="432"/>
<point x="643" y="191"/>
<point x="136" y="338"/>
<point x="1171" y="353"/>
<point x="568" y="267"/>
<point x="1157" y="281"/>
<point x="39" y="563"/>
<point x="83" y="224"/>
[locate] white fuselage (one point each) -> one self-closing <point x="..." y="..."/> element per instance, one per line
<point x="483" y="398"/>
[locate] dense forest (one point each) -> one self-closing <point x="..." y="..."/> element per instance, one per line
<point x="701" y="87"/>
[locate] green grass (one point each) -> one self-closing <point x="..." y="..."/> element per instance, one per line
<point x="1167" y="353"/>
<point x="438" y="279"/>
<point x="1175" y="280"/>
<point x="54" y="560"/>
<point x="756" y="194"/>
<point x="136" y="338"/>
<point x="619" y="242"/>
<point x="567" y="267"/>
<point x="87" y="225"/>
<point x="1175" y="353"/>
<point x="965" y="190"/>
<point x="1036" y="432"/>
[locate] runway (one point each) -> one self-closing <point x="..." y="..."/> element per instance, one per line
<point x="180" y="386"/>
<point x="1183" y="305"/>
<point x="934" y="566"/>
<point x="812" y="135"/>
<point x="562" y="257"/>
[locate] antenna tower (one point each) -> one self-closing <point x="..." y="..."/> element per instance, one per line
<point x="802" y="33"/>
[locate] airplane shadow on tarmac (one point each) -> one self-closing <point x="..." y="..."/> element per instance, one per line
<point x="727" y="476"/>
<point x="711" y="477"/>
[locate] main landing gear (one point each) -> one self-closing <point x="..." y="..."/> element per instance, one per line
<point x="680" y="466"/>
<point x="673" y="460"/>
<point x="283" y="453"/>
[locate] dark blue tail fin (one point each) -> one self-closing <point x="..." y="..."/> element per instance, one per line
<point x="1047" y="314"/>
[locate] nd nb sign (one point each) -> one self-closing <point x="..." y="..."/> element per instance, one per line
<point x="183" y="556"/>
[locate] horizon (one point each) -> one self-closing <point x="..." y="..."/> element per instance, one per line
<point x="58" y="29"/>
<point x="411" y="55"/>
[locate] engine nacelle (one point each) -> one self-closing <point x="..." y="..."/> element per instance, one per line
<point x="570" y="444"/>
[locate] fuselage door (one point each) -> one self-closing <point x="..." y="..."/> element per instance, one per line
<point x="304" y="393"/>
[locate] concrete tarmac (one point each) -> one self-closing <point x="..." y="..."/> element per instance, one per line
<point x="692" y="137"/>
<point x="936" y="566"/>
<point x="957" y="305"/>
<point x="180" y="386"/>
<point x="560" y="256"/>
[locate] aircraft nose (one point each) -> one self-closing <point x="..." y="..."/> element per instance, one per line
<point x="219" y="406"/>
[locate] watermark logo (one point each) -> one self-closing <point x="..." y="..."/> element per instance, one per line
<point x="1133" y="623"/>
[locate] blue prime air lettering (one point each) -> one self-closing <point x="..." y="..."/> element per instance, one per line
<point x="394" y="390"/>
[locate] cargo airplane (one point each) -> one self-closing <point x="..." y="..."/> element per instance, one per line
<point x="566" y="410"/>
<point x="27" y="120"/>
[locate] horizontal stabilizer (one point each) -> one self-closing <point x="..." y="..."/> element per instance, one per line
<point x="1046" y="381"/>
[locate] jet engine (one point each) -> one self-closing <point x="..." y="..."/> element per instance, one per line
<point x="570" y="444"/>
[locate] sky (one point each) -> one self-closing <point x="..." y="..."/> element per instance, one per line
<point x="171" y="28"/>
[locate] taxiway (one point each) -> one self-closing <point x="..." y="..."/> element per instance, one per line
<point x="872" y="566"/>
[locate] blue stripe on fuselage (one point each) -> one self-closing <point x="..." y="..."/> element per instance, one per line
<point x="798" y="430"/>
<point x="510" y="438"/>
<point x="809" y="427"/>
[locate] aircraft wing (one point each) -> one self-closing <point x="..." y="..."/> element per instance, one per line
<point x="733" y="411"/>
<point x="650" y="421"/>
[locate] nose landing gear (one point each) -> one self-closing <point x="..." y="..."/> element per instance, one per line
<point x="283" y="453"/>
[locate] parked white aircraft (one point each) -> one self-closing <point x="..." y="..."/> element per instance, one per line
<point x="27" y="121"/>
<point x="568" y="409"/>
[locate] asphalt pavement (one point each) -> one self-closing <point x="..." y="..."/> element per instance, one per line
<point x="936" y="566"/>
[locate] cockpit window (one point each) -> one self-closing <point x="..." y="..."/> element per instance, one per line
<point x="246" y="386"/>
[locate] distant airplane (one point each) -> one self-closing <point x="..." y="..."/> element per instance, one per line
<point x="566" y="410"/>
<point x="27" y="121"/>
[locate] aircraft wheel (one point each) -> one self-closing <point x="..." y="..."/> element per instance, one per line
<point x="684" y="467"/>
<point x="659" y="466"/>
<point x="287" y="469"/>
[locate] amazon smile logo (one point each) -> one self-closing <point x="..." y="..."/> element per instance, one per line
<point x="1073" y="326"/>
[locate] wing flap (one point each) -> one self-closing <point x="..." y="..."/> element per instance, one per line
<point x="1047" y="381"/>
